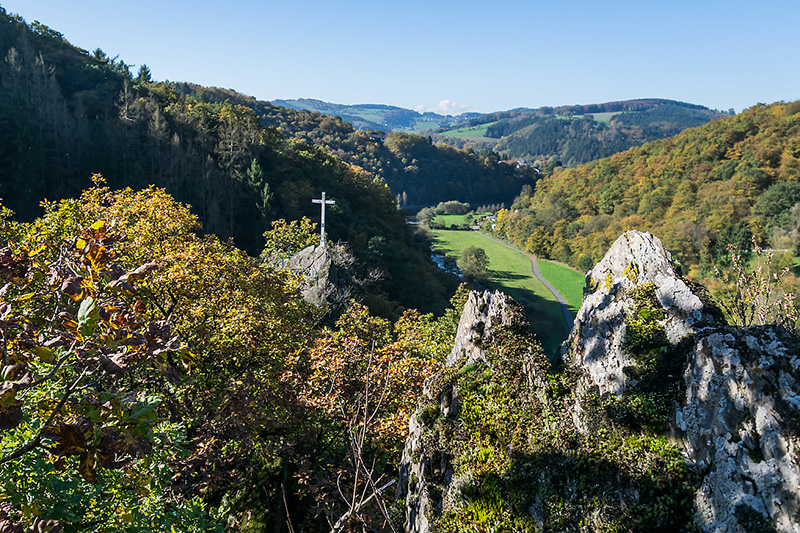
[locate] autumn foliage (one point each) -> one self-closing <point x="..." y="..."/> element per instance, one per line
<point x="700" y="191"/>
<point x="187" y="379"/>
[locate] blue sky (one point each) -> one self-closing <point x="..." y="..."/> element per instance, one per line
<point x="451" y="55"/>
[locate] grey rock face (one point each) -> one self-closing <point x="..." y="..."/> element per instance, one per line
<point x="483" y="313"/>
<point x="739" y="428"/>
<point x="596" y="341"/>
<point x="314" y="264"/>
<point x="420" y="466"/>
<point x="328" y="275"/>
<point x="738" y="423"/>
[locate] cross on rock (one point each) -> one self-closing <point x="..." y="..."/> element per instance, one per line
<point x="324" y="202"/>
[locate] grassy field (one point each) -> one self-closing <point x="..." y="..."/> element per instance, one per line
<point x="469" y="132"/>
<point x="447" y="220"/>
<point x="511" y="273"/>
<point x="567" y="281"/>
<point x="605" y="118"/>
<point x="423" y="125"/>
<point x="370" y="113"/>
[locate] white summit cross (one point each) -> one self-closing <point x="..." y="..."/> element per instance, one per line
<point x="324" y="202"/>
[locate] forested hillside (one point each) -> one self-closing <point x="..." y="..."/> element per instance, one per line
<point x="154" y="376"/>
<point x="418" y="171"/>
<point x="376" y="116"/>
<point x="699" y="191"/>
<point x="67" y="114"/>
<point x="572" y="135"/>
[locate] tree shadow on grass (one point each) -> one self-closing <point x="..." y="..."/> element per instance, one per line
<point x="503" y="276"/>
<point x="545" y="318"/>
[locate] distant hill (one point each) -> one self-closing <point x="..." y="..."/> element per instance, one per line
<point x="572" y="135"/>
<point x="378" y="116"/>
<point x="546" y="136"/>
<point x="418" y="171"/>
<point x="699" y="191"/>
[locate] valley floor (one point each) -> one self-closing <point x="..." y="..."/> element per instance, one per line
<point x="511" y="272"/>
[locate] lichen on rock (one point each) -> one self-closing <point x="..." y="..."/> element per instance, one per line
<point x="596" y="343"/>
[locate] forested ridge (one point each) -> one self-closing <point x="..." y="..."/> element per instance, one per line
<point x="68" y="113"/>
<point x="417" y="170"/>
<point x="377" y="116"/>
<point x="573" y="135"/>
<point x="699" y="191"/>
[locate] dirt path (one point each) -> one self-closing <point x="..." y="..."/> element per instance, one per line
<point x="535" y="269"/>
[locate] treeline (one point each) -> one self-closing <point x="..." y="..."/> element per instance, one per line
<point x="426" y="172"/>
<point x="67" y="114"/>
<point x="452" y="207"/>
<point x="572" y="142"/>
<point x="709" y="187"/>
<point x="641" y="104"/>
<point x="664" y="120"/>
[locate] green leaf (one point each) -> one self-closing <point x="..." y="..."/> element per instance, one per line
<point x="88" y="315"/>
<point x="146" y="408"/>
<point x="44" y="354"/>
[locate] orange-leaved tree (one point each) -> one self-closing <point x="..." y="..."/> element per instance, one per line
<point x="364" y="382"/>
<point x="222" y="419"/>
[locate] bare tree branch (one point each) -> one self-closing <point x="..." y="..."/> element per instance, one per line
<point x="343" y="520"/>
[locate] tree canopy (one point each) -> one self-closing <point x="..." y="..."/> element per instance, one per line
<point x="66" y="113"/>
<point x="699" y="191"/>
<point x="153" y="376"/>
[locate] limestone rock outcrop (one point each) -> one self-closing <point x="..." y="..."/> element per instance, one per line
<point x="423" y="467"/>
<point x="662" y="417"/>
<point x="738" y="421"/>
<point x="327" y="275"/>
<point x="483" y="313"/>
<point x="314" y="264"/>
<point x="599" y="331"/>
<point x="739" y="426"/>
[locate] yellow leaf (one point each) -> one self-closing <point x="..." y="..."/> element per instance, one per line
<point x="80" y="244"/>
<point x="36" y="251"/>
<point x="99" y="224"/>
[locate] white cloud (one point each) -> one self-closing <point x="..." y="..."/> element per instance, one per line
<point x="445" y="107"/>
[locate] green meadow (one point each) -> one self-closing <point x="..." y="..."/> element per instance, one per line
<point x="510" y="272"/>
<point x="448" y="220"/>
<point x="568" y="281"/>
<point x="605" y="118"/>
<point x="469" y="132"/>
